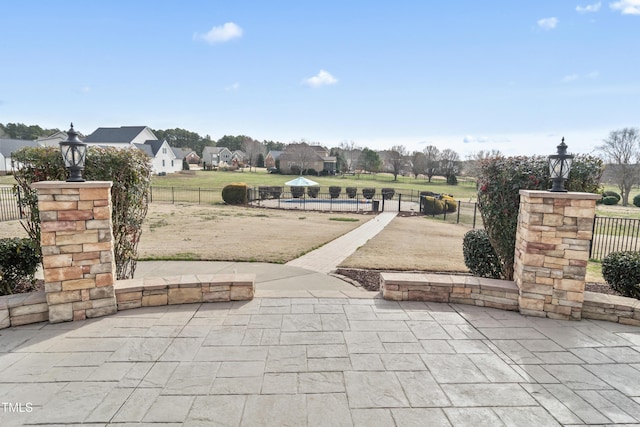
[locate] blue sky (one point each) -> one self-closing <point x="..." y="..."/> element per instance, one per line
<point x="509" y="75"/>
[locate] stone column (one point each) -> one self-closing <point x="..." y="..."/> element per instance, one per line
<point x="77" y="248"/>
<point x="552" y="250"/>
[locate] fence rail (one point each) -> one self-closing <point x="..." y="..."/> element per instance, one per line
<point x="612" y="234"/>
<point x="9" y="206"/>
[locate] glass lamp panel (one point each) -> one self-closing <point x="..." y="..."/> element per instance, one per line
<point x="67" y="155"/>
<point x="555" y="167"/>
<point x="566" y="168"/>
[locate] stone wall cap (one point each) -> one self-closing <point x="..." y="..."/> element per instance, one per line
<point x="554" y="195"/>
<point x="597" y="298"/>
<point x="498" y="285"/>
<point x="64" y="184"/>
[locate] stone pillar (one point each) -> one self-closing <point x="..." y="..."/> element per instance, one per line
<point x="77" y="248"/>
<point x="552" y="250"/>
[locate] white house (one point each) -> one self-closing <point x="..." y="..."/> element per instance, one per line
<point x="163" y="157"/>
<point x="124" y="136"/>
<point x="53" y="140"/>
<point x="213" y="156"/>
<point x="7" y="147"/>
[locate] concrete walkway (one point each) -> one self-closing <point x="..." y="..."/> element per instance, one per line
<point x="311" y="350"/>
<point x="326" y="258"/>
<point x="320" y="361"/>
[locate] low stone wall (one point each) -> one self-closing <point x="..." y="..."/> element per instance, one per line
<point x="23" y="309"/>
<point x="612" y="308"/>
<point x="155" y="291"/>
<point x="470" y="290"/>
<point x="501" y="294"/>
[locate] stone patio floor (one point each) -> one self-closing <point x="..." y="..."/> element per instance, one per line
<point x="320" y="361"/>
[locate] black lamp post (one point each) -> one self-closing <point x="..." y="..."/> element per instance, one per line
<point x="74" y="153"/>
<point x="559" y="167"/>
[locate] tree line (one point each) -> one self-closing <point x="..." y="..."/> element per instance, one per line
<point x="621" y="151"/>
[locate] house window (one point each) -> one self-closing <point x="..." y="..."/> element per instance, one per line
<point x="171" y="163"/>
<point x="164" y="150"/>
<point x="162" y="162"/>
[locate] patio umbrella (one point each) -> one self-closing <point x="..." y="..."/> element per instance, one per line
<point x="301" y="182"/>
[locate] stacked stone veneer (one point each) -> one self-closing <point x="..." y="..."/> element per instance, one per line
<point x="552" y="249"/>
<point x="470" y="290"/>
<point x="77" y="249"/>
<point x="155" y="291"/>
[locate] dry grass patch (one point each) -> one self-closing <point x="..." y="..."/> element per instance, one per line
<point x="413" y="243"/>
<point x="230" y="233"/>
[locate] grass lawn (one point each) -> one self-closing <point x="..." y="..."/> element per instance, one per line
<point x="217" y="179"/>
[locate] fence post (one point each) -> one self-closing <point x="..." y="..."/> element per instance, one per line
<point x="593" y="232"/>
<point x="459" y="206"/>
<point x="172" y="196"/>
<point x="399" y="202"/>
<point x="475" y="208"/>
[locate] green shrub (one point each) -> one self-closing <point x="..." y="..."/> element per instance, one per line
<point x="612" y="194"/>
<point x="432" y="205"/>
<point x="636" y="201"/>
<point x="313" y="191"/>
<point x="235" y="194"/>
<point x="368" y="193"/>
<point x="499" y="182"/>
<point x="450" y="203"/>
<point x="387" y="193"/>
<point x="452" y="180"/>
<point x="351" y="192"/>
<point x="610" y="200"/>
<point x="621" y="270"/>
<point x="130" y="172"/>
<point x="19" y="259"/>
<point x="334" y="191"/>
<point x="311" y="171"/>
<point x="479" y="256"/>
<point x="297" y="192"/>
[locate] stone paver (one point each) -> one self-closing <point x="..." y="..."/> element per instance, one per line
<point x="320" y="361"/>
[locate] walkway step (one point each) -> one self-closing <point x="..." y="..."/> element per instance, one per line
<point x="327" y="258"/>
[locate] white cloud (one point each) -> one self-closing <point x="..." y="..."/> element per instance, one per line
<point x="548" y="23"/>
<point x="232" y="87"/>
<point x="573" y="77"/>
<point x="472" y="139"/>
<point x="323" y="78"/>
<point x="589" y="8"/>
<point x="220" y="34"/>
<point x="626" y="7"/>
<point x="570" y="78"/>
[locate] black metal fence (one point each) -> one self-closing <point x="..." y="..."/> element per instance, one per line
<point x="613" y="235"/>
<point x="9" y="206"/>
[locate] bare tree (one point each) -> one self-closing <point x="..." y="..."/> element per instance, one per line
<point x="395" y="157"/>
<point x="432" y="161"/>
<point x="472" y="166"/>
<point x="622" y="151"/>
<point x="449" y="164"/>
<point x="303" y="154"/>
<point x="418" y="163"/>
<point x="350" y="152"/>
<point x="252" y="149"/>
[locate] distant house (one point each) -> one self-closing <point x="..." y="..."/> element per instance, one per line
<point x="238" y="157"/>
<point x="214" y="156"/>
<point x="189" y="155"/>
<point x="163" y="158"/>
<point x="53" y="140"/>
<point x="272" y="157"/>
<point x="7" y="148"/>
<point x="122" y="137"/>
<point x="302" y="156"/>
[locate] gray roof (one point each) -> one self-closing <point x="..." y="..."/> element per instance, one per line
<point x="123" y="134"/>
<point x="146" y="149"/>
<point x="8" y="146"/>
<point x="275" y="154"/>
<point x="181" y="154"/>
<point x="214" y="150"/>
